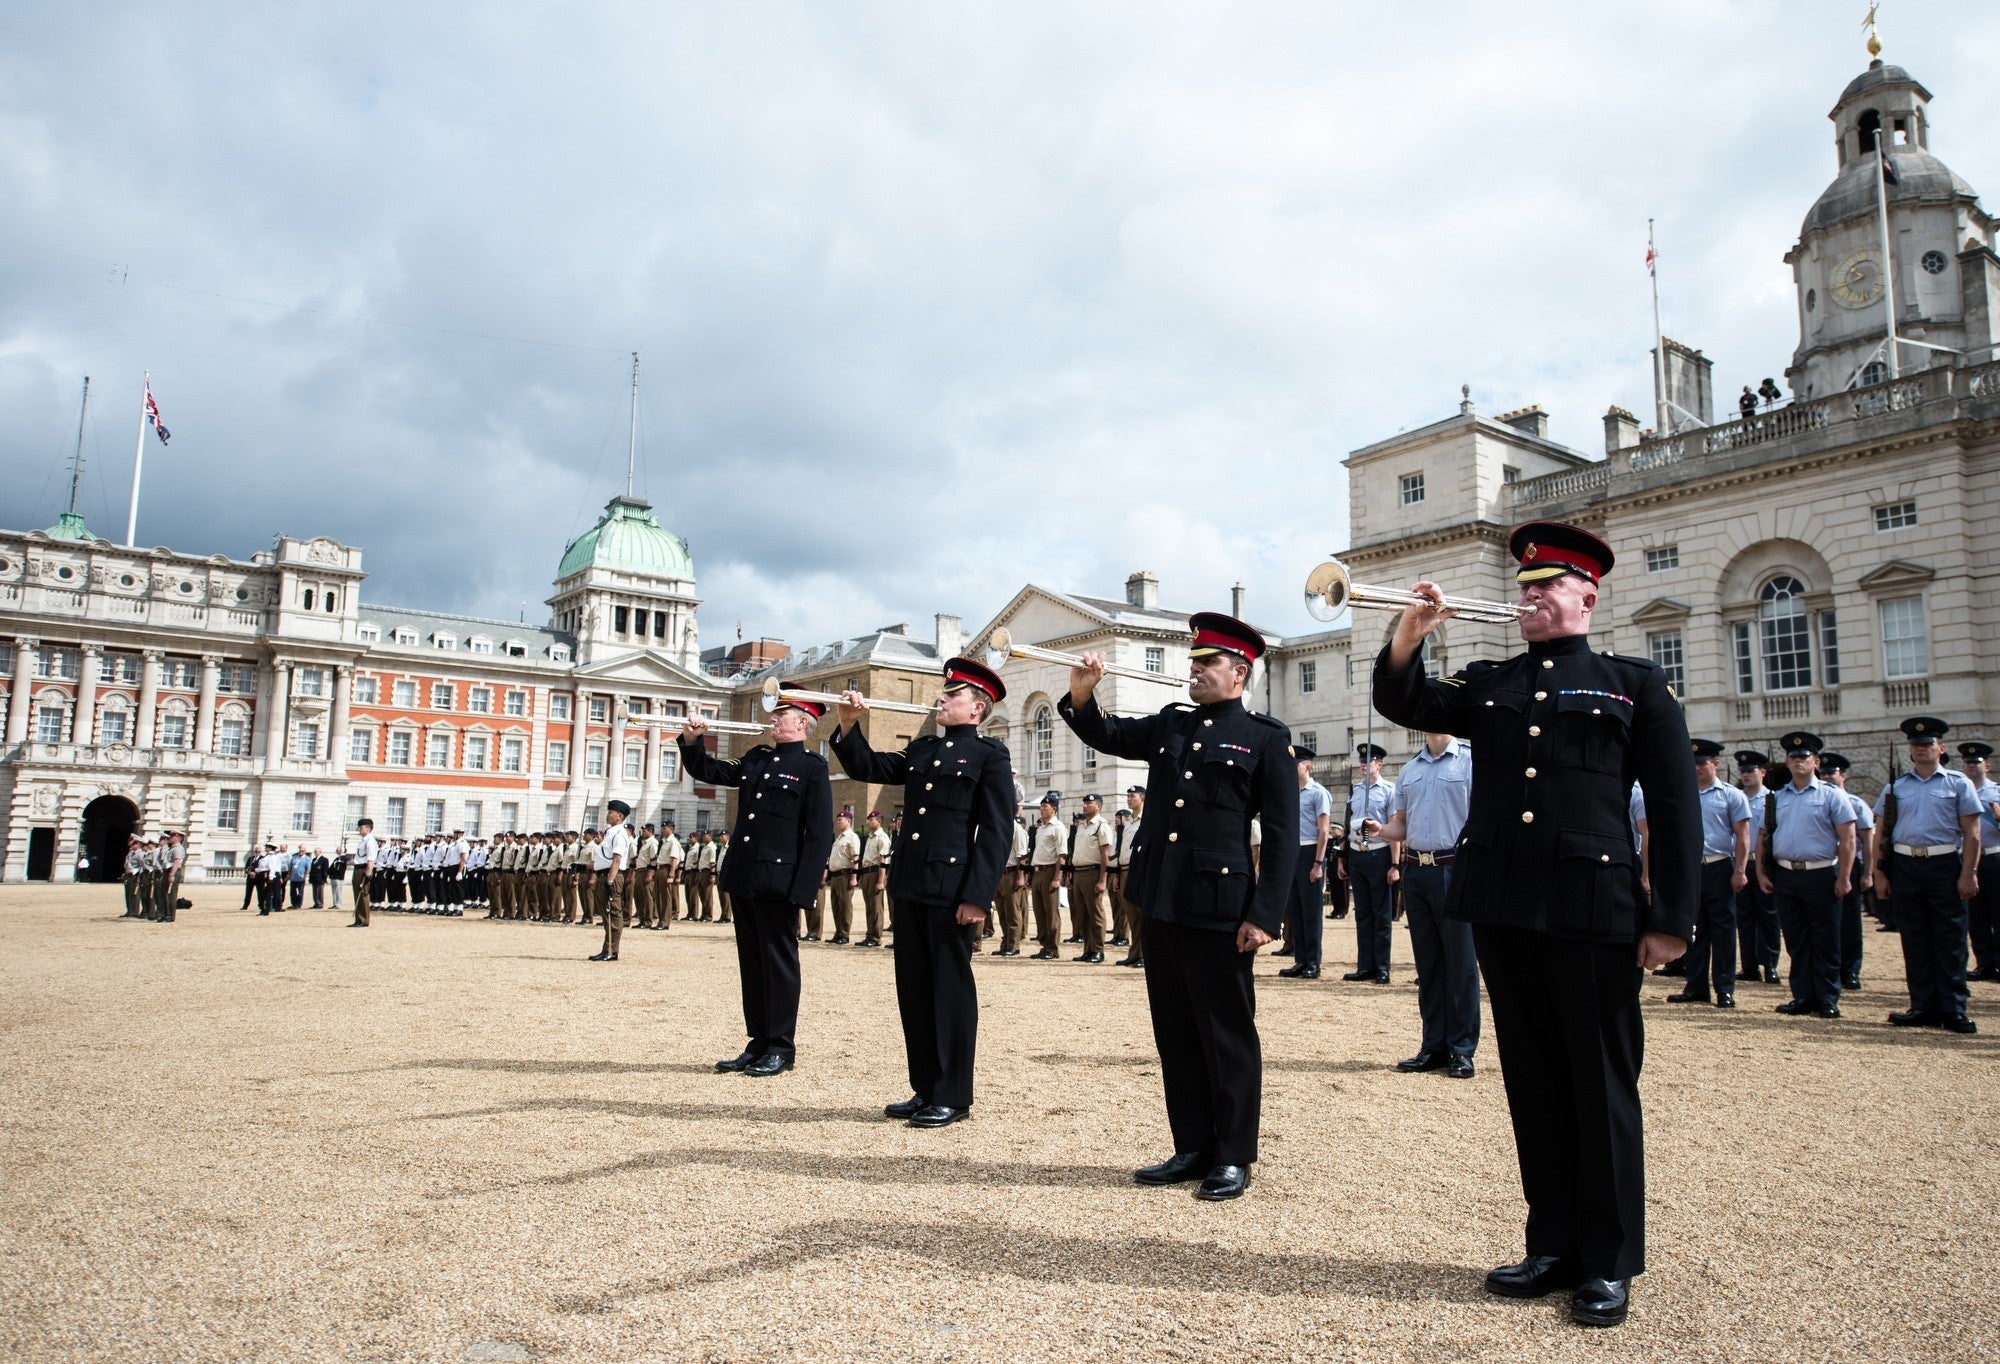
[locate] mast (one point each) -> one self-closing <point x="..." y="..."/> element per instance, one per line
<point x="138" y="462"/>
<point x="632" y="441"/>
<point x="76" y="460"/>
<point x="1660" y="423"/>
<point x="1888" y="266"/>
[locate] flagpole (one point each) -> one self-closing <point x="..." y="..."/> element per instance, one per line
<point x="138" y="462"/>
<point x="1660" y="427"/>
<point x="1888" y="268"/>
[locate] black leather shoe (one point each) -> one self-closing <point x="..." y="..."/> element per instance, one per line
<point x="736" y="1063"/>
<point x="1046" y="954"/>
<point x="1094" y="958"/>
<point x="907" y="1109"/>
<point x="1133" y="961"/>
<point x="1282" y="952"/>
<point x="1827" y="1011"/>
<point x="1224" y="1182"/>
<point x="1850" y="982"/>
<point x="1292" y="972"/>
<point x="810" y="937"/>
<point x="1601" y="1302"/>
<point x="599" y="956"/>
<point x="1914" y="1018"/>
<point x="1459" y="1068"/>
<point x="1077" y="941"/>
<point x="1725" y="1001"/>
<point x="938" y="1115"/>
<point x="1535" y="1277"/>
<point x="1120" y="942"/>
<point x="869" y="942"/>
<point x="839" y="940"/>
<point x="1381" y="977"/>
<point x="1003" y="952"/>
<point x="1423" y="1060"/>
<point x="1359" y="975"/>
<point x="767" y="1065"/>
<point x="1793" y="1008"/>
<point x="1688" y="997"/>
<point x="1178" y="1168"/>
<point x="1308" y="973"/>
<point x="1959" y="1024"/>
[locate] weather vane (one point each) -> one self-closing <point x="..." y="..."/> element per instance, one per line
<point x="1874" y="39"/>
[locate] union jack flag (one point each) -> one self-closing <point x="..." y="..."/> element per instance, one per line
<point x="153" y="414"/>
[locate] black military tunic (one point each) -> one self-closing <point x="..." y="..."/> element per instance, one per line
<point x="1547" y="875"/>
<point x="783" y="833"/>
<point x="956" y="834"/>
<point x="1211" y="769"/>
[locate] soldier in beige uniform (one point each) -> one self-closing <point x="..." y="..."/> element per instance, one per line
<point x="1051" y="841"/>
<point x="875" y="877"/>
<point x="725" y="909"/>
<point x="639" y="886"/>
<point x="580" y="871"/>
<point x="841" y="863"/>
<point x="1013" y="893"/>
<point x="1091" y="858"/>
<point x="666" y="879"/>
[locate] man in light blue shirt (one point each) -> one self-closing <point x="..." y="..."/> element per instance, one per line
<point x="1983" y="909"/>
<point x="1725" y="858"/>
<point x="1927" y="863"/>
<point x="1302" y="915"/>
<point x="1833" y="767"/>
<point x="1806" y="858"/>
<point x="1427" y="813"/>
<point x="1371" y="868"/>
<point x="1756" y="915"/>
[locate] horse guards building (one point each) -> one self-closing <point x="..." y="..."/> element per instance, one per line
<point x="1829" y="562"/>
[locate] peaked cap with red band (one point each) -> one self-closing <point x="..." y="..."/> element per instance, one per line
<point x="785" y="698"/>
<point x="1214" y="631"/>
<point x="964" y="672"/>
<point x="1549" y="549"/>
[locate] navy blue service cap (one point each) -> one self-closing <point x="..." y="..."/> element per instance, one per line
<point x="1549" y="549"/>
<point x="1830" y="761"/>
<point x="1925" y="729"/>
<point x="1370" y="752"/>
<point x="620" y="806"/>
<point x="1707" y="748"/>
<point x="1302" y="753"/>
<point x="1052" y="798"/>
<point x="1973" y="750"/>
<point x="1800" y="744"/>
<point x="1135" y="790"/>
<point x="1747" y="758"/>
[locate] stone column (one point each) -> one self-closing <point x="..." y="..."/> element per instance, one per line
<point x="655" y="783"/>
<point x="342" y="677"/>
<point x="614" y="761"/>
<point x="26" y="650"/>
<point x="149" y="697"/>
<point x="275" y="724"/>
<point x="83" y="728"/>
<point x="204" y="715"/>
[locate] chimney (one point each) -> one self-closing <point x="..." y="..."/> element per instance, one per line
<point x="1530" y="419"/>
<point x="1621" y="430"/>
<point x="1236" y="601"/>
<point x="1142" y="589"/>
<point x="950" y="637"/>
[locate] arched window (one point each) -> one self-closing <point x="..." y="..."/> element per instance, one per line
<point x="1874" y="372"/>
<point x="309" y="599"/>
<point x="1784" y="635"/>
<point x="1043" y="744"/>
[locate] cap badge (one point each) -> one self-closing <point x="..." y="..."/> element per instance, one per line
<point x="1531" y="551"/>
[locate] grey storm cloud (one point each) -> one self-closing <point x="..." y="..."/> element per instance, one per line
<point x="932" y="300"/>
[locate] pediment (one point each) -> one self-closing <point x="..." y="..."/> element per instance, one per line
<point x="1037" y="613"/>
<point x="1895" y="575"/>
<point x="1661" y="611"/>
<point x="644" y="668"/>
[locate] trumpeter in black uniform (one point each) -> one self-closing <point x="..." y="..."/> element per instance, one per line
<point x="957" y="832"/>
<point x="784" y="831"/>
<point x="1212" y="767"/>
<point x="1547" y="876"/>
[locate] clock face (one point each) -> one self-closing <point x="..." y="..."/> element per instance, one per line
<point x="1855" y="281"/>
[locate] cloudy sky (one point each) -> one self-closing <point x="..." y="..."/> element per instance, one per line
<point x="932" y="300"/>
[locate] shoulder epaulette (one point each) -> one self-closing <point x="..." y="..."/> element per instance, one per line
<point x="1185" y="707"/>
<point x="1273" y="721"/>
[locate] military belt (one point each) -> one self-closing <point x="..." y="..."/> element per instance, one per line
<point x="1933" y="850"/>
<point x="1714" y="857"/>
<point x="1818" y="865"/>
<point x="1413" y="858"/>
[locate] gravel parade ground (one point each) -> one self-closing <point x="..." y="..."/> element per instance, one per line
<point x="447" y="1139"/>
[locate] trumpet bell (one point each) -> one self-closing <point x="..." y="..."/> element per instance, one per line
<point x="1326" y="591"/>
<point x="999" y="647"/>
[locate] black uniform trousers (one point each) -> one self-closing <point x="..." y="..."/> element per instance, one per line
<point x="1851" y="927"/>
<point x="1931" y="918"/>
<point x="1982" y="913"/>
<point x="1714" y="932"/>
<point x="1567" y="1025"/>
<point x="1203" y="999"/>
<point x="1757" y="934"/>
<point x="1368" y="882"/>
<point x="1303" y="922"/>
<point x="937" y="999"/>
<point x="1809" y="914"/>
<point x="1447" y="966"/>
<point x="767" y="960"/>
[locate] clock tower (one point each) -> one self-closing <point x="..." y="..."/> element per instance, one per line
<point x="1942" y="266"/>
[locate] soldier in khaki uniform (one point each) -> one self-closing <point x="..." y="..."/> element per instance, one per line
<point x="581" y="860"/>
<point x="875" y="877"/>
<point x="1013" y="892"/>
<point x="1051" y="840"/>
<point x="725" y="909"/>
<point x="666" y="879"/>
<point x="639" y="886"/>
<point x="841" y="864"/>
<point x="1090" y="858"/>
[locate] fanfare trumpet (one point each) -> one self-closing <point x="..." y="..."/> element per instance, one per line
<point x="674" y="724"/>
<point x="1000" y="647"/>
<point x="774" y="696"/>
<point x="1329" y="591"/>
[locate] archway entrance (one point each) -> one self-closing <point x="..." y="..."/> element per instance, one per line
<point x="108" y="823"/>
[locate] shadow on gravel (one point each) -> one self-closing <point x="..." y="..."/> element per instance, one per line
<point x="628" y="1108"/>
<point x="1871" y="1028"/>
<point x="493" y="1063"/>
<point x="1040" y="1257"/>
<point x="852" y="1169"/>
<point x="1307" y="1066"/>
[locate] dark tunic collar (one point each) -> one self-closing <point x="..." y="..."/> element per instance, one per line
<point x="1215" y="708"/>
<point x="1559" y="648"/>
<point x="960" y="731"/>
<point x="795" y="746"/>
